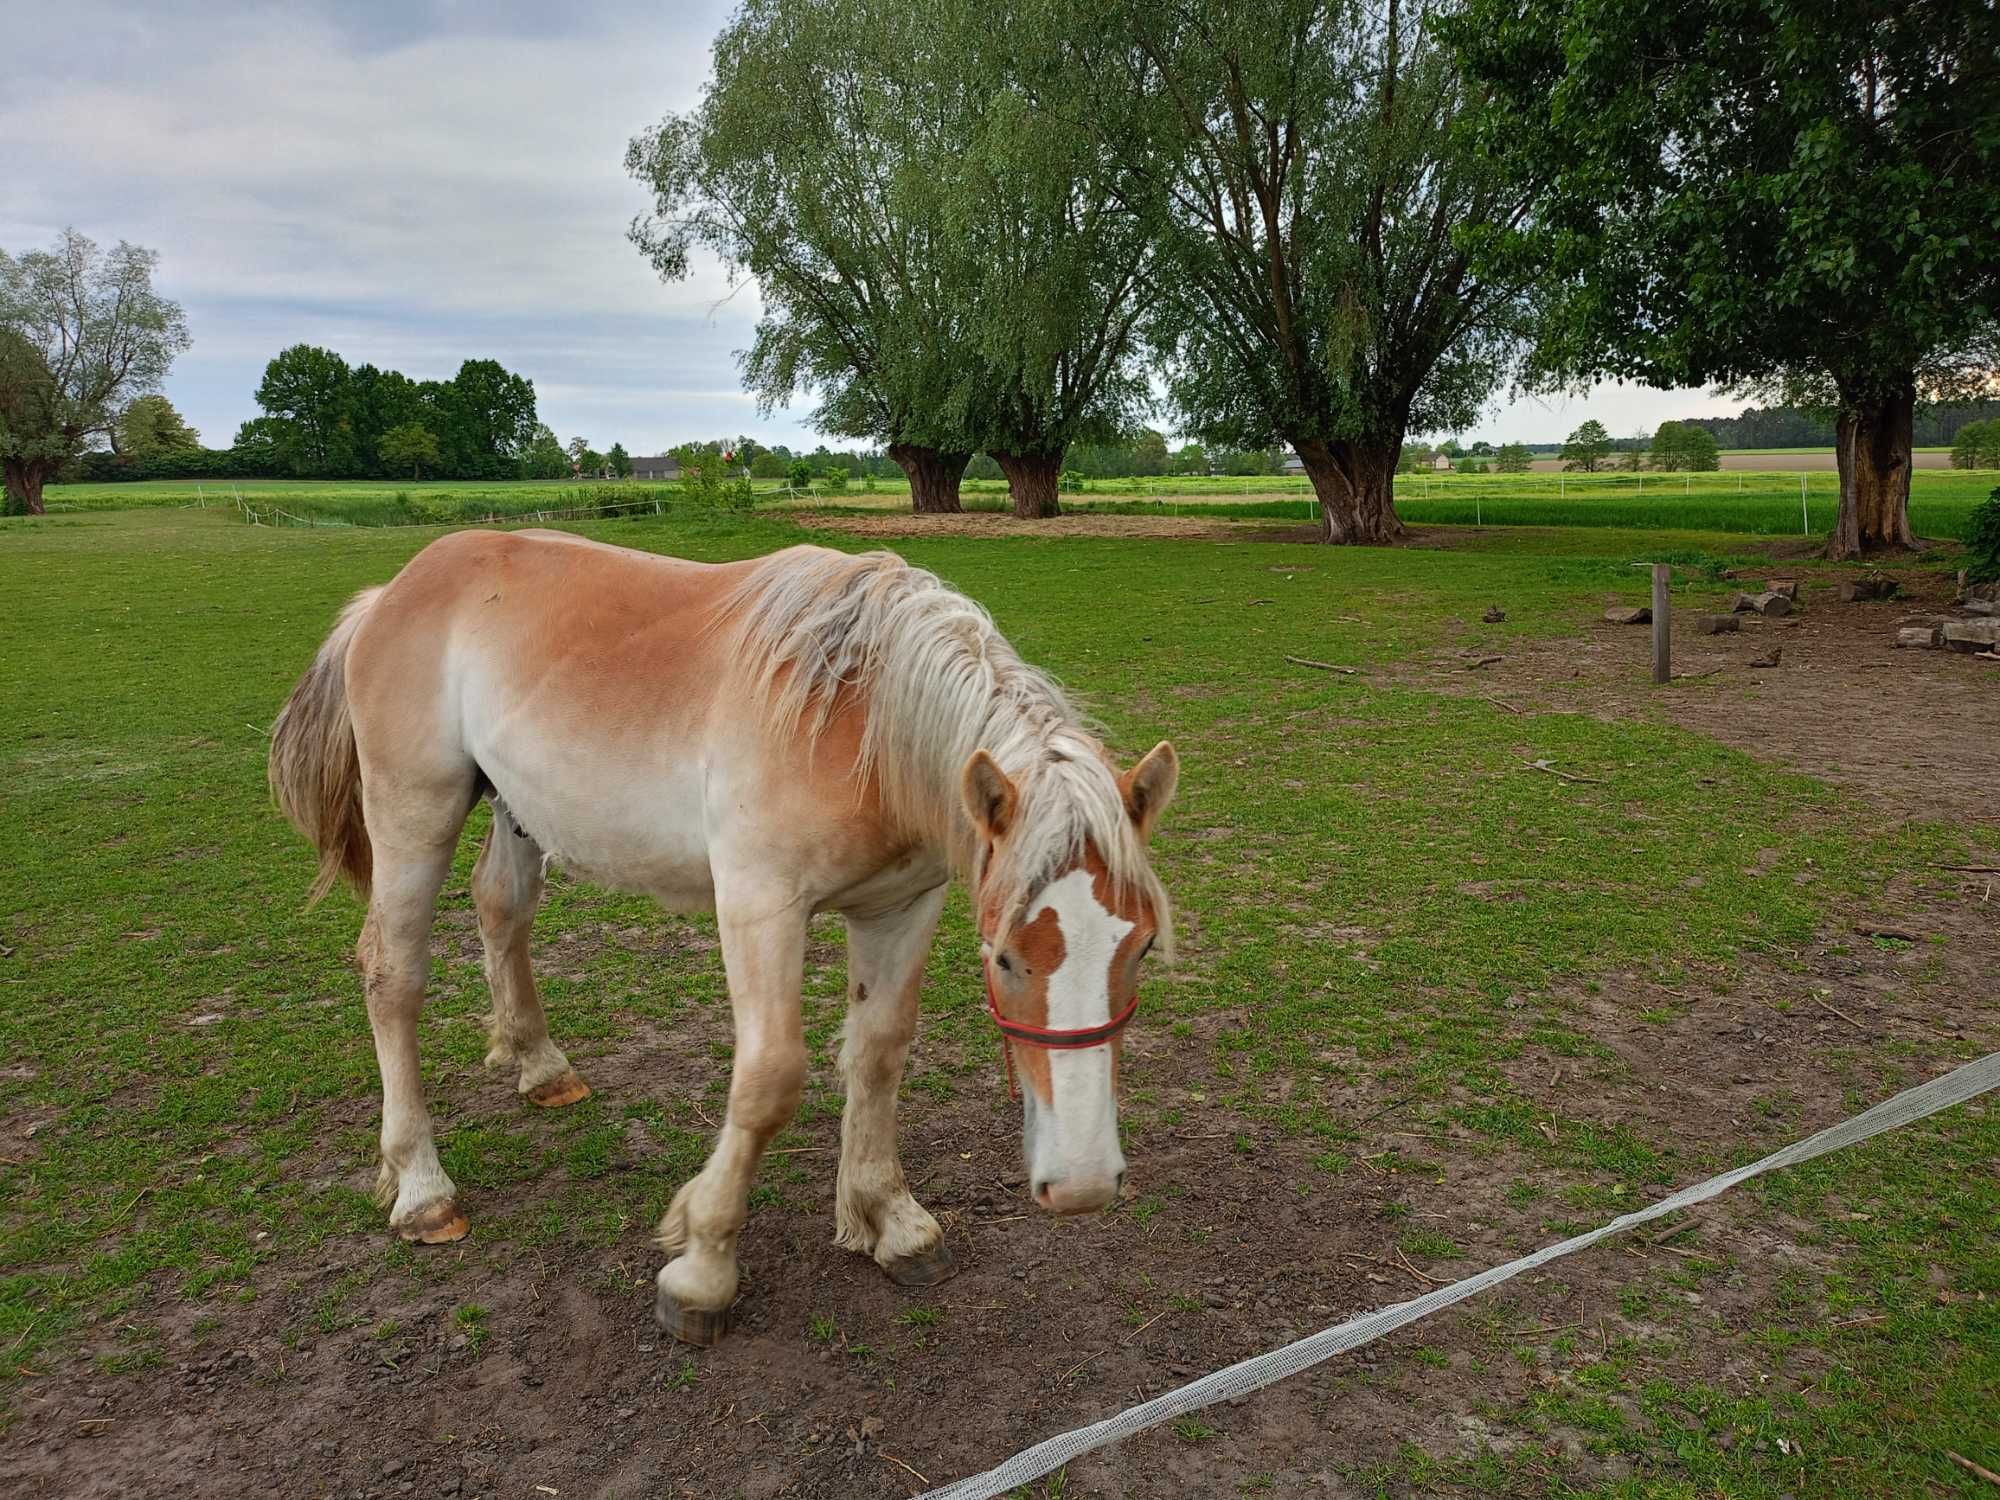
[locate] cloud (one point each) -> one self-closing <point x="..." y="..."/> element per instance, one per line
<point x="409" y="187"/>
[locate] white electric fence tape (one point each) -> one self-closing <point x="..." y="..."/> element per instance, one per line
<point x="1955" y="1087"/>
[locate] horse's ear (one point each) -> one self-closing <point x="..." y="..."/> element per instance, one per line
<point x="990" y="797"/>
<point x="1149" y="786"/>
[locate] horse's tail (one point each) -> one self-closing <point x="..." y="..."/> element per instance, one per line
<point x="315" y="770"/>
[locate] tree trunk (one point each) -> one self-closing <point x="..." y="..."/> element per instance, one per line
<point x="934" y="477"/>
<point x="1355" y="486"/>
<point x="24" y="483"/>
<point x="1032" y="479"/>
<point x="1871" y="441"/>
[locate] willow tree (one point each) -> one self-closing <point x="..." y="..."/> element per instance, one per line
<point x="1314" y="284"/>
<point x="1778" y="195"/>
<point x="807" y="167"/>
<point x="1053" y="231"/>
<point x="81" y="333"/>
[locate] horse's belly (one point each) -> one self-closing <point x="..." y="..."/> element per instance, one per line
<point x="623" y="833"/>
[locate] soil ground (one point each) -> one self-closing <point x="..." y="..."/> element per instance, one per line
<point x="835" y="1384"/>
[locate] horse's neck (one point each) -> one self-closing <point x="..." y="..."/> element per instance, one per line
<point x="1021" y="742"/>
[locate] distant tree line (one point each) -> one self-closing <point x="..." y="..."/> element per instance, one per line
<point x="325" y="420"/>
<point x="1935" y="426"/>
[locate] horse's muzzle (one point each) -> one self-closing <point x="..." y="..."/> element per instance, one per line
<point x="1077" y="1195"/>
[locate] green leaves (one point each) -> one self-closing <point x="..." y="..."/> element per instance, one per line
<point x="1779" y="187"/>
<point x="944" y="262"/>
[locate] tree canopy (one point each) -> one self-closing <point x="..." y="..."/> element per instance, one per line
<point x="1978" y="446"/>
<point x="1685" y="445"/>
<point x="940" y="271"/>
<point x="1587" y="447"/>
<point x="82" y="332"/>
<point x="804" y="168"/>
<point x="1311" y="286"/>
<point x="325" y="420"/>
<point x="149" y="425"/>
<point x="1773" y="194"/>
<point x="409" y="445"/>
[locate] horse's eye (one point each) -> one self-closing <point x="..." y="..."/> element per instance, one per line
<point x="1147" y="949"/>
<point x="1004" y="963"/>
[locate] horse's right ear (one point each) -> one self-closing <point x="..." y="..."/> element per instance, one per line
<point x="990" y="798"/>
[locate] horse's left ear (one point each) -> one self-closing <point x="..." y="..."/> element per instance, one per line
<point x="1149" y="786"/>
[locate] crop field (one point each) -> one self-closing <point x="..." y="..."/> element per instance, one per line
<point x="1436" y="1005"/>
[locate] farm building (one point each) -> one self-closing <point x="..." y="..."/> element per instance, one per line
<point x="664" y="466"/>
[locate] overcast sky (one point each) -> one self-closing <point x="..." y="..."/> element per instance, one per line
<point x="418" y="182"/>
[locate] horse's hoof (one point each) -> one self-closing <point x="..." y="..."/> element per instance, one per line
<point x="688" y="1324"/>
<point x="927" y="1268"/>
<point x="439" y="1224"/>
<point x="565" y="1088"/>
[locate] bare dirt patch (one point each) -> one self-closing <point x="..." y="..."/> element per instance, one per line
<point x="1910" y="730"/>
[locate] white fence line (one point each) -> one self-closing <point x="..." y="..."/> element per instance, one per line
<point x="1955" y="1087"/>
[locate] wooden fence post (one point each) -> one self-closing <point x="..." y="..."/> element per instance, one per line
<point x="1663" y="647"/>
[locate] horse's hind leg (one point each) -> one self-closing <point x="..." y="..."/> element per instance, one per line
<point x="396" y="961"/>
<point x="507" y="887"/>
<point x="874" y="1210"/>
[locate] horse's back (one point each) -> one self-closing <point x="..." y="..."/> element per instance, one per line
<point x="587" y="684"/>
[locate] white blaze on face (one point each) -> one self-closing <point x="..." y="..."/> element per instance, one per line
<point x="1076" y="1141"/>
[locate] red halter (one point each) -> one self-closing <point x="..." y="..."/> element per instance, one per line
<point x="1047" y="1038"/>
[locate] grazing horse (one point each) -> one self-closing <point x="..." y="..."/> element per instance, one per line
<point x="809" y="731"/>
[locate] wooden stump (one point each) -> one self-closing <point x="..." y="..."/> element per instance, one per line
<point x="1637" y="614"/>
<point x="1860" y="590"/>
<point x="1925" y="637"/>
<point x="1716" y="624"/>
<point x="1972" y="635"/>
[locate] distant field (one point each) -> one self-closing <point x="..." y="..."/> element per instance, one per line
<point x="1789" y="460"/>
<point x="1741" y="502"/>
<point x="365" y="502"/>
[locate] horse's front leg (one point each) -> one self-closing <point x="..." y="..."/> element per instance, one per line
<point x="874" y="1211"/>
<point x="764" y="955"/>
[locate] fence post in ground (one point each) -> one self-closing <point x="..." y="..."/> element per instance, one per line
<point x="1805" y="516"/>
<point x="1663" y="650"/>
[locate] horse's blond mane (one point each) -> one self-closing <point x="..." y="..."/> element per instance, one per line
<point x="938" y="681"/>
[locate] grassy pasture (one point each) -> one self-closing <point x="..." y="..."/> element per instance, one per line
<point x="1747" y="504"/>
<point x="191" y="1052"/>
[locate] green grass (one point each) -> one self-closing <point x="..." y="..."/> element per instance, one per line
<point x="1941" y="502"/>
<point x="191" y="1049"/>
